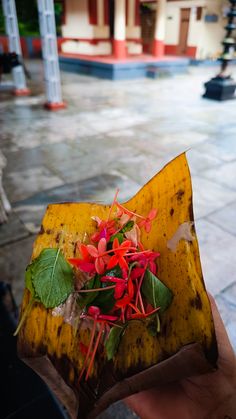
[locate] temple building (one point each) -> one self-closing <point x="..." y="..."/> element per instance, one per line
<point x="129" y="28"/>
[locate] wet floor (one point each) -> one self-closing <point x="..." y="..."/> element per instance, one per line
<point x="119" y="134"/>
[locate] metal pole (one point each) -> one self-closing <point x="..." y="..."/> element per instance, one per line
<point x="50" y="55"/>
<point x="11" y="24"/>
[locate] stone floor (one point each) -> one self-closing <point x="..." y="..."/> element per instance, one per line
<point x="119" y="134"/>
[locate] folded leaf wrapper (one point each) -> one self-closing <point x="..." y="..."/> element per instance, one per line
<point x="186" y="344"/>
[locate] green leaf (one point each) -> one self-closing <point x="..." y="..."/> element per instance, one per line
<point x="105" y="299"/>
<point x="52" y="278"/>
<point x="86" y="299"/>
<point x="29" y="273"/>
<point x="127" y="227"/>
<point x="113" y="341"/>
<point x="28" y="278"/>
<point x="118" y="236"/>
<point x="156" y="293"/>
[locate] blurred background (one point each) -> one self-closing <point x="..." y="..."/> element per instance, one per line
<point x="125" y="99"/>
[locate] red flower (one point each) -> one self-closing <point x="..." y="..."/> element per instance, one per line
<point x="95" y="312"/>
<point x="119" y="252"/>
<point x="98" y="254"/>
<point x="147" y="222"/>
<point x="120" y="285"/>
<point x="125" y="301"/>
<point x="85" y="263"/>
<point x="146" y="258"/>
<point x="105" y="229"/>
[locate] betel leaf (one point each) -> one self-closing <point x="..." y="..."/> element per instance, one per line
<point x="85" y="299"/>
<point x="105" y="299"/>
<point x="156" y="293"/>
<point x="28" y="278"/>
<point x="113" y="341"/>
<point x="29" y="273"/>
<point x="29" y="285"/>
<point x="52" y="278"/>
<point x="118" y="236"/>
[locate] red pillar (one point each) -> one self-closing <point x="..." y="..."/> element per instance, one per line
<point x="159" y="34"/>
<point x="119" y="42"/>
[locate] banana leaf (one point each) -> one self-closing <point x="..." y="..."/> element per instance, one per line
<point x="186" y="344"/>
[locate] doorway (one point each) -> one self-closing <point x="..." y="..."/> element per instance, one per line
<point x="147" y="17"/>
<point x="111" y="17"/>
<point x="183" y="31"/>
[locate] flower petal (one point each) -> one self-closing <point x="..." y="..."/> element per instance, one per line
<point x="115" y="243"/>
<point x="102" y="245"/>
<point x="99" y="265"/>
<point x="119" y="290"/>
<point x="123" y="264"/>
<point x="108" y="317"/>
<point x="112" y="262"/>
<point x="84" y="251"/>
<point x="148" y="226"/>
<point x="93" y="251"/>
<point x="87" y="267"/>
<point x="136" y="273"/>
<point x="94" y="311"/>
<point x="152" y="214"/>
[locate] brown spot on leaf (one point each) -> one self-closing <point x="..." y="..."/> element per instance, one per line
<point x="48" y="231"/>
<point x="196" y="302"/>
<point x="58" y="237"/>
<point x="172" y="211"/>
<point x="180" y="194"/>
<point x="59" y="331"/>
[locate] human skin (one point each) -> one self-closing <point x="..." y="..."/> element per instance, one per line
<point x="209" y="396"/>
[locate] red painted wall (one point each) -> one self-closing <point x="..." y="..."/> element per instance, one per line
<point x="172" y="50"/>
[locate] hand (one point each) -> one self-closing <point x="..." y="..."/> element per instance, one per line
<point x="209" y="396"/>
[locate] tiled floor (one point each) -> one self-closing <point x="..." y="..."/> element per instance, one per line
<point x="120" y="134"/>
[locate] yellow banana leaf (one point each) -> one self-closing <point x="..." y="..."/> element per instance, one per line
<point x="186" y="344"/>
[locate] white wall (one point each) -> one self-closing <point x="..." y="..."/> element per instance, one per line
<point x="209" y="45"/>
<point x="77" y="22"/>
<point x="78" y="26"/>
<point x="205" y="36"/>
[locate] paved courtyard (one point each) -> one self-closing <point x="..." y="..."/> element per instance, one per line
<point x="119" y="134"/>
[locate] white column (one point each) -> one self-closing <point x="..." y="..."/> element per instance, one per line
<point x="119" y="48"/>
<point x="50" y="55"/>
<point x="11" y="24"/>
<point x="159" y="34"/>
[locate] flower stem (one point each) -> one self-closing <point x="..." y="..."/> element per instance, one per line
<point x="94" y="351"/>
<point x="89" y="349"/>
<point x="97" y="289"/>
<point x="128" y="212"/>
<point x="113" y="204"/>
